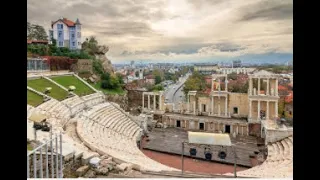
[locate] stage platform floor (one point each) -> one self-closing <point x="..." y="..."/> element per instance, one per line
<point x="170" y="140"/>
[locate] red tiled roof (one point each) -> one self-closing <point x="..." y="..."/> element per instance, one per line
<point x="289" y="98"/>
<point x="66" y="21"/>
<point x="280" y="87"/>
<point x="149" y="77"/>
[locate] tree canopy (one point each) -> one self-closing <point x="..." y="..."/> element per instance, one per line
<point x="36" y="32"/>
<point x="90" y="46"/>
<point x="195" y="82"/>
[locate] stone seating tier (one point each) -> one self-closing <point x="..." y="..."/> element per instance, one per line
<point x="108" y="130"/>
<point x="279" y="163"/>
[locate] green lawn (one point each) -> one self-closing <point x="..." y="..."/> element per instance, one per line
<point x="41" y="85"/>
<point x="66" y="81"/>
<point x="108" y="91"/>
<point x="34" y="99"/>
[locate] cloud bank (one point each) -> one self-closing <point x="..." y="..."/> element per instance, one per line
<point x="177" y="29"/>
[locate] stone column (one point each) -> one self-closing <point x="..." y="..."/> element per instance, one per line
<point x="276" y="87"/>
<point x="212" y="82"/>
<point x="212" y="104"/>
<point x="194" y="107"/>
<point x="160" y="101"/>
<point x="258" y="86"/>
<point x="247" y="130"/>
<point x="267" y="113"/>
<point x="268" y="82"/>
<point x="258" y="109"/>
<point x="142" y="101"/>
<point x="250" y="87"/>
<point x="219" y="85"/>
<point x="148" y="101"/>
<point x="237" y="129"/>
<point x="276" y="108"/>
<point x="199" y="107"/>
<point x="226" y="106"/>
<point x="250" y="108"/>
<point x="219" y="108"/>
<point x="154" y="102"/>
<point x="188" y="102"/>
<point x="226" y="84"/>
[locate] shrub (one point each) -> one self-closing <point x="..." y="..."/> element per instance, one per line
<point x="104" y="84"/>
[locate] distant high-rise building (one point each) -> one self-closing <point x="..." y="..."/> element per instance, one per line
<point x="236" y="63"/>
<point x="132" y="64"/>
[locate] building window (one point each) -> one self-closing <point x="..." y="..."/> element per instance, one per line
<point x="79" y="34"/>
<point x="60" y="34"/>
<point x="60" y="43"/>
<point x="235" y="110"/>
<point x="72" y="35"/>
<point x="79" y="43"/>
<point x="73" y="43"/>
<point x="61" y="26"/>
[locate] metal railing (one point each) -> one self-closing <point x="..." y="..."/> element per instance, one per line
<point x="38" y="163"/>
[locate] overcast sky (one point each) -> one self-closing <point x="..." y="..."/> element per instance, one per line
<point x="175" y="30"/>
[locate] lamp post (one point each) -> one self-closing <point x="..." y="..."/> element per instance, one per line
<point x="46" y="92"/>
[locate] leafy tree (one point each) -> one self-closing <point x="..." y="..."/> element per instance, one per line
<point x="195" y="82"/>
<point x="157" y="79"/>
<point x="120" y="78"/>
<point x="105" y="76"/>
<point x="232" y="76"/>
<point x="36" y="32"/>
<point x="114" y="82"/>
<point x="158" y="87"/>
<point x="105" y="84"/>
<point x="97" y="67"/>
<point x="90" y="46"/>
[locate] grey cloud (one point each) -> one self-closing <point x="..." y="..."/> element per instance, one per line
<point x="202" y="3"/>
<point x="112" y="19"/>
<point x="270" y="10"/>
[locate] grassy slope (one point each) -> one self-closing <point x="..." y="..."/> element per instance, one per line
<point x="41" y="84"/>
<point x="66" y="81"/>
<point x="34" y="99"/>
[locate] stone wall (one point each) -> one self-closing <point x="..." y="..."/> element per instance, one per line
<point x="240" y="101"/>
<point x="135" y="98"/>
<point x="84" y="65"/>
<point x="274" y="135"/>
<point x="122" y="100"/>
<point x="204" y="101"/>
<point x="255" y="130"/>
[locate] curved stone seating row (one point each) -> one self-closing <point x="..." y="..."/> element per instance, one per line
<point x="107" y="130"/>
<point x="56" y="111"/>
<point x="77" y="103"/>
<point x="29" y="110"/>
<point x="279" y="162"/>
<point x="110" y="117"/>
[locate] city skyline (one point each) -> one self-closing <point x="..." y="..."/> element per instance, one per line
<point x="180" y="30"/>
